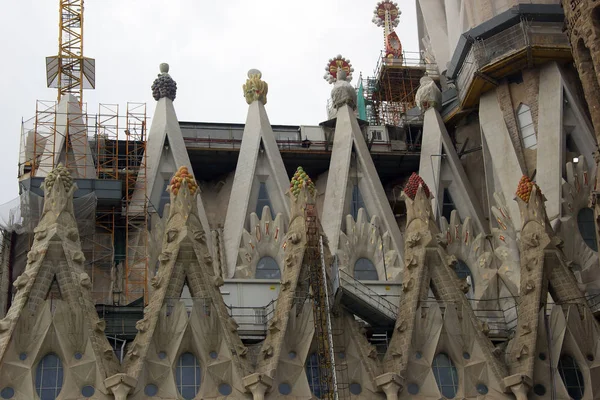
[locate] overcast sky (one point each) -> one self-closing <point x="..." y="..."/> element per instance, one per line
<point x="209" y="44"/>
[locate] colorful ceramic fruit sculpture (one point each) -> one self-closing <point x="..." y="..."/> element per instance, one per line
<point x="525" y="187"/>
<point x="300" y="180"/>
<point x="413" y="184"/>
<point x="182" y="176"/>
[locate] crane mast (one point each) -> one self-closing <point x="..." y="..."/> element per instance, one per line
<point x="69" y="71"/>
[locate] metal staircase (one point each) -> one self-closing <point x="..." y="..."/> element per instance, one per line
<point x="362" y="301"/>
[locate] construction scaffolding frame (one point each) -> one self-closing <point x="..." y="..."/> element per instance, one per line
<point x="104" y="146"/>
<point x="136" y="207"/>
<point x="391" y="92"/>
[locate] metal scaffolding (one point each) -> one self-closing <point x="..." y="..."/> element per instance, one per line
<point x="106" y="146"/>
<point x="391" y="92"/>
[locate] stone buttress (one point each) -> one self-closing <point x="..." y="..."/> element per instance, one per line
<point x="447" y="324"/>
<point x="53" y="311"/>
<point x="292" y="334"/>
<point x="201" y="326"/>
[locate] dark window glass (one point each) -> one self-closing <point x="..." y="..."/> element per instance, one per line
<point x="49" y="377"/>
<point x="364" y="270"/>
<point x="357" y="203"/>
<point x="263" y="200"/>
<point x="445" y="375"/>
<point x="187" y="376"/>
<point x="462" y="271"/>
<point x="587" y="228"/>
<point x="165" y="197"/>
<point x="448" y="205"/>
<point x="571" y="376"/>
<point x="267" y="268"/>
<point x="313" y="373"/>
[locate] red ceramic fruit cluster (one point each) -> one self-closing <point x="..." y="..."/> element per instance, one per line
<point x="525" y="187"/>
<point x="413" y="184"/>
<point x="182" y="176"/>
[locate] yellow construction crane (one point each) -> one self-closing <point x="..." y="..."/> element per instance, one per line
<point x="69" y="71"/>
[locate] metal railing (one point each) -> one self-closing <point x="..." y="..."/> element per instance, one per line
<point x="368" y="295"/>
<point x="512" y="40"/>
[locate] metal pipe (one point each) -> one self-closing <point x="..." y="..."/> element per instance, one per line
<point x="329" y="328"/>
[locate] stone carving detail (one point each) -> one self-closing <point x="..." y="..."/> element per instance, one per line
<point x="255" y="89"/>
<point x="428" y="95"/>
<point x="164" y="85"/>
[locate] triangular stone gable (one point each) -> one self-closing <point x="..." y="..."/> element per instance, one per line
<point x="348" y="138"/>
<point x="171" y="326"/>
<point x="428" y="266"/>
<point x="291" y="331"/>
<point x="258" y="135"/>
<point x="165" y="152"/>
<point x="544" y="271"/>
<point x="36" y="324"/>
<point x="70" y="123"/>
<point x="436" y="142"/>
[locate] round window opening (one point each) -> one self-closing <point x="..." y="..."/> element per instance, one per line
<point x="88" y="391"/>
<point x="23" y="356"/>
<point x="151" y="390"/>
<point x="213" y="355"/>
<point x="292" y="355"/>
<point x="587" y="227"/>
<point x="418" y="355"/>
<point x="482" y="389"/>
<point x="267" y="268"/>
<point x="7" y="393"/>
<point x="355" y="388"/>
<point x="364" y="270"/>
<point x="542" y="356"/>
<point x="466" y="355"/>
<point x="78" y="356"/>
<point x="540" y="390"/>
<point x="413" y="388"/>
<point x="225" y="389"/>
<point x="162" y="355"/>
<point x="285" y="388"/>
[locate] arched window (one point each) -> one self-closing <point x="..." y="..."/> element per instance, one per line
<point x="526" y="126"/>
<point x="263" y="200"/>
<point x="445" y="375"/>
<point x="49" y="377"/>
<point x="463" y="272"/>
<point x="587" y="227"/>
<point x="267" y="268"/>
<point x="571" y="376"/>
<point x="187" y="376"/>
<point x="357" y="203"/>
<point x="313" y="373"/>
<point x="364" y="270"/>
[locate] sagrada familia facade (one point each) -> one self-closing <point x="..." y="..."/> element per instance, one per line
<point x="462" y="264"/>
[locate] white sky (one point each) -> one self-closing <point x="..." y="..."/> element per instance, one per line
<point x="209" y="44"/>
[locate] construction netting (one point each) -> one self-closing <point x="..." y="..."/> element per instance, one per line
<point x="21" y="215"/>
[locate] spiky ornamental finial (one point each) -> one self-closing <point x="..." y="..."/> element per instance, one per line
<point x="255" y="88"/>
<point x="334" y="65"/>
<point x="164" y="85"/>
<point x="379" y="13"/>
<point x="183" y="178"/>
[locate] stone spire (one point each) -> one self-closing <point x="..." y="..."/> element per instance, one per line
<point x="164" y="85"/>
<point x="544" y="270"/>
<point x="420" y="328"/>
<point x="294" y="326"/>
<point x="30" y="328"/>
<point x="166" y="330"/>
<point x="259" y="154"/>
